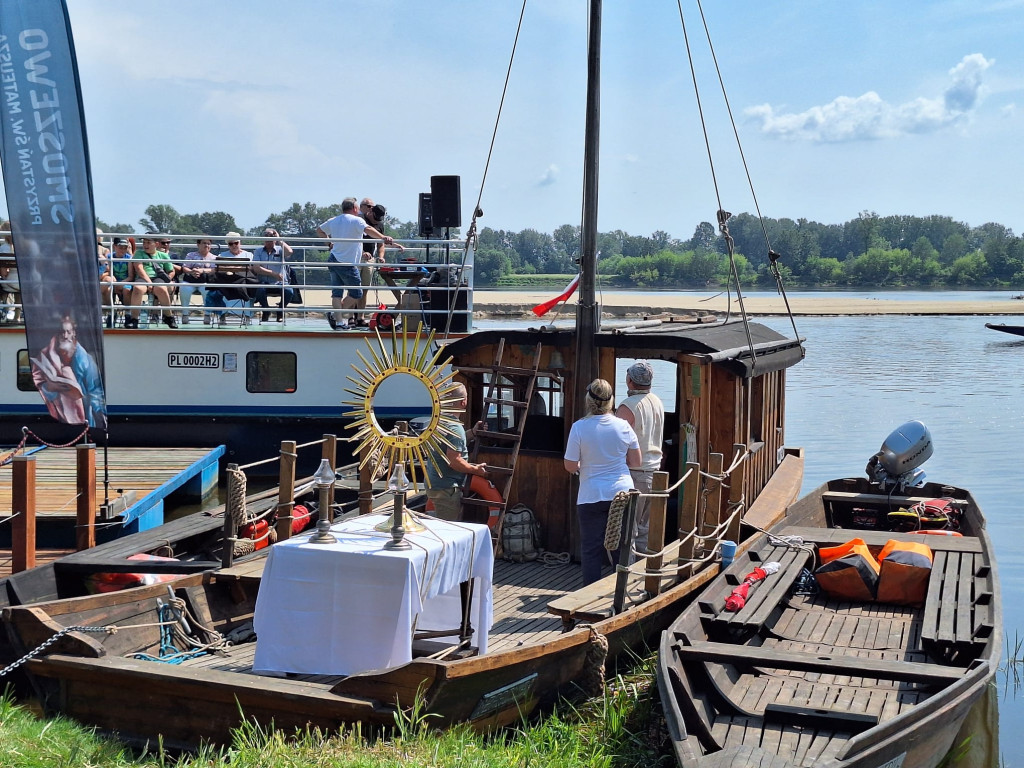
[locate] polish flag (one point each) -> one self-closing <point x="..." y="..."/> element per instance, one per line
<point x="542" y="309"/>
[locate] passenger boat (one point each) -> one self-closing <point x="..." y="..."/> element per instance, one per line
<point x="1016" y="330"/>
<point x="724" y="446"/>
<point x="799" y="676"/>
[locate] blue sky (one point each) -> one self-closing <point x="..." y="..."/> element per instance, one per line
<point x="910" y="107"/>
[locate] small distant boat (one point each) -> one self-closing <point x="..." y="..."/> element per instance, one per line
<point x="1016" y="330"/>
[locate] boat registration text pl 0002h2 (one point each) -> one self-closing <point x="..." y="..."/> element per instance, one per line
<point x="193" y="360"/>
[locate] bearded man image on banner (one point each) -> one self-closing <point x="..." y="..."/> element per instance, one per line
<point x="69" y="380"/>
<point x="45" y="160"/>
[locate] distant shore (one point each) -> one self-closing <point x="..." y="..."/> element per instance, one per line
<point x="624" y="304"/>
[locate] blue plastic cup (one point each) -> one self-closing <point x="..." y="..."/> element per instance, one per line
<point x="728" y="552"/>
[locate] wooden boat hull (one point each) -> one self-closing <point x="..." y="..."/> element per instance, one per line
<point x="1016" y="330"/>
<point x="86" y="676"/>
<point x="778" y="687"/>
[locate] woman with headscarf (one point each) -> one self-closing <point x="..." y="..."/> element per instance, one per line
<point x="602" y="448"/>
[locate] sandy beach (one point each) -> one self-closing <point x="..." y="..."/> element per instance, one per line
<point x="623" y="304"/>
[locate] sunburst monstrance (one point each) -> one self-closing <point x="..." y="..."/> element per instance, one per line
<point x="381" y="448"/>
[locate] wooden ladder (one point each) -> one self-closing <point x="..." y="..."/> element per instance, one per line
<point x="512" y="437"/>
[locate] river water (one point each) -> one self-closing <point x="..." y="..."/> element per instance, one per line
<point x="865" y="376"/>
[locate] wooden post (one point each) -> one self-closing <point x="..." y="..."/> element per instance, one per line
<point x="656" y="533"/>
<point x="713" y="507"/>
<point x="365" y="484"/>
<point x="286" y="490"/>
<point x="688" y="516"/>
<point x="23" y="507"/>
<point x="736" y="485"/>
<point x="85" y="517"/>
<point x="227" y="553"/>
<point x="330" y="450"/>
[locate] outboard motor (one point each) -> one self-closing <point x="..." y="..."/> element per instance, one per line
<point x="898" y="461"/>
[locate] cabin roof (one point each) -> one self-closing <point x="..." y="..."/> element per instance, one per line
<point x="723" y="344"/>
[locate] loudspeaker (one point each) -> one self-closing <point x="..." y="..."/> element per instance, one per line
<point x="446" y="200"/>
<point x="426" y="216"/>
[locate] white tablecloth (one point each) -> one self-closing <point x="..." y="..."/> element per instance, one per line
<point x="339" y="609"/>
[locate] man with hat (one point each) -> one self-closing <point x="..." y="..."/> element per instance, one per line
<point x="645" y="413"/>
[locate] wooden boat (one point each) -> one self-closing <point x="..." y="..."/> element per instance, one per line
<point x="724" y="439"/>
<point x="1016" y="330"/>
<point x="532" y="658"/>
<point x="798" y="679"/>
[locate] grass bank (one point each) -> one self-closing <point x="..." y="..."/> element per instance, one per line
<point x="621" y="729"/>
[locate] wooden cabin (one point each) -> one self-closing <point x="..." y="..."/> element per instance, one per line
<point x="730" y="387"/>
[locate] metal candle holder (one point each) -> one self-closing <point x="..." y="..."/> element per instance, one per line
<point x="400" y="520"/>
<point x="324" y="479"/>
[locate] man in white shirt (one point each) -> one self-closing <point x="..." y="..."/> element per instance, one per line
<point x="346" y="232"/>
<point x="645" y="413"/>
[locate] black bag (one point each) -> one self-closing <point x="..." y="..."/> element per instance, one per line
<point x="242" y="288"/>
<point x="294" y="295"/>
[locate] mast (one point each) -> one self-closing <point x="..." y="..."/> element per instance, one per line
<point x="587" y="319"/>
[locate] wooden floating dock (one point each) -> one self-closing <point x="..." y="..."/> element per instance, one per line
<point x="65" y="486"/>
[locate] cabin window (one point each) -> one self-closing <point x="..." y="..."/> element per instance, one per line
<point x="25" y="383"/>
<point x="270" y="371"/>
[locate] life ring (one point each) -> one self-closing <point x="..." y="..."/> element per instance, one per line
<point x="938" y="532"/>
<point x="486" y="490"/>
<point x="115" y="582"/>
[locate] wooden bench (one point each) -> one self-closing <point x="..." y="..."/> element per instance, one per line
<point x="833" y="664"/>
<point x="763" y="597"/>
<point x="594" y="601"/>
<point x="958" y="612"/>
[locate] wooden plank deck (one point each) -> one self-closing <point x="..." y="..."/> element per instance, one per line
<point x="141" y="470"/>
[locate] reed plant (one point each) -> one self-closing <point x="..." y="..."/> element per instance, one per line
<point x="621" y="728"/>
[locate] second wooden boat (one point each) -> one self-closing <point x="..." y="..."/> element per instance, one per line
<point x="1016" y="330"/>
<point x="798" y="678"/>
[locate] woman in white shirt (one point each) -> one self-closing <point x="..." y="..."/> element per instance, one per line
<point x="602" y="448"/>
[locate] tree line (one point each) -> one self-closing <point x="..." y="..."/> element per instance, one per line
<point x="870" y="251"/>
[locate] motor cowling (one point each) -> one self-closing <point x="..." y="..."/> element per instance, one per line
<point x="899" y="459"/>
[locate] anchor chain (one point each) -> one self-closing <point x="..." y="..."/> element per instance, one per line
<point x="36" y="651"/>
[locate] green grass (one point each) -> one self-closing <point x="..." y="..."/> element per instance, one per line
<point x="620" y="729"/>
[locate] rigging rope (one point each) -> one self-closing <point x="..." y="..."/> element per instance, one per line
<point x="723" y="215"/>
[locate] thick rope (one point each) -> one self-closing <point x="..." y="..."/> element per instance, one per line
<point x="613" y="530"/>
<point x="591" y="678"/>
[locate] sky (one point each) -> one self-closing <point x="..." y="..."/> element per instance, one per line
<point x="911" y="107"/>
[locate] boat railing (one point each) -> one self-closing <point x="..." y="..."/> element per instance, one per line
<point x="431" y="280"/>
<point x="702" y="529"/>
<point x="290" y="488"/>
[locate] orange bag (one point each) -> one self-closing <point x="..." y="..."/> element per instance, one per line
<point x="848" y="571"/>
<point x="906" y="567"/>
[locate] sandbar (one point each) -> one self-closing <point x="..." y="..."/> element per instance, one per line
<point x="624" y="304"/>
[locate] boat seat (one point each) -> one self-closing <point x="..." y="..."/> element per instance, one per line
<point x="958" y="612"/>
<point x="763" y="598"/>
<point x="739" y="655"/>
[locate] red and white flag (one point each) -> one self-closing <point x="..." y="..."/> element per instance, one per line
<point x="542" y="309"/>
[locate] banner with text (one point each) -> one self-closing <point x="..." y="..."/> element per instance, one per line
<point x="45" y="160"/>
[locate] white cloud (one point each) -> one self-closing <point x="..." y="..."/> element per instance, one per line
<point x="855" y="118"/>
<point x="549" y="177"/>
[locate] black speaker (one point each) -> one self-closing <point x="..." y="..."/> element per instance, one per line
<point x="446" y="201"/>
<point x="426" y="216"/>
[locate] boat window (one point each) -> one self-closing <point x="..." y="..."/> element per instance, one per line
<point x="270" y="372"/>
<point x="25" y="383"/>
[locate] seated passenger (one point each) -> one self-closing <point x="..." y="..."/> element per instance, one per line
<point x="152" y="274"/>
<point x="10" y="290"/>
<point x="196" y="268"/>
<point x="114" y="283"/>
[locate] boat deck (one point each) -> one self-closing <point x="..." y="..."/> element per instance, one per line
<point x="521" y="595"/>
